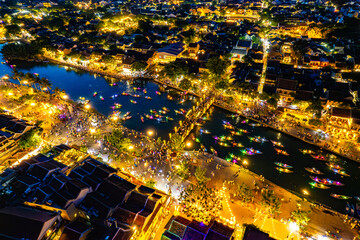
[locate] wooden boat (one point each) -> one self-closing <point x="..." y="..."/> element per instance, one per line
<point x="136" y="95"/>
<point x="283" y="165"/>
<point x="142" y="119"/>
<point x="306" y="151"/>
<point x="147" y="97"/>
<point x="338" y="196"/>
<point x="235" y="144"/>
<point x="320" y="180"/>
<point x="125" y="94"/>
<point x="237" y="133"/>
<point x="283" y="170"/>
<point x="318" y="157"/>
<point x="275" y="143"/>
<point x="253" y="139"/>
<point x="335" y="166"/>
<point x="340" y="172"/>
<point x="255" y="124"/>
<point x="158" y="93"/>
<point x="314" y="171"/>
<point x="318" y="185"/>
<point x="133" y="101"/>
<point x="280" y="151"/>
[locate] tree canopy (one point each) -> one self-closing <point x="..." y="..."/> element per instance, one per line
<point x="30" y="139"/>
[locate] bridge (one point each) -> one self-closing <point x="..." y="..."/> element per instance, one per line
<point x="193" y="116"/>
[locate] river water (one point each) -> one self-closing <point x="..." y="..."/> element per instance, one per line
<point x="81" y="84"/>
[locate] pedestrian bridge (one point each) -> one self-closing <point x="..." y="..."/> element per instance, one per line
<point x="193" y="116"/>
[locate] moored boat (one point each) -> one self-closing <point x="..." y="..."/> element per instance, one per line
<point x="283" y="165"/>
<point x="318" y="185"/>
<point x="275" y="143"/>
<point x="281" y="151"/>
<point x="338" y="196"/>
<point x="306" y="151"/>
<point x="314" y="171"/>
<point x="340" y="172"/>
<point x="283" y="170"/>
<point x="335" y="166"/>
<point x="318" y="157"/>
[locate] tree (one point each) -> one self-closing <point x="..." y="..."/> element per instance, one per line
<point x="272" y="102"/>
<point x="244" y="193"/>
<point x="222" y="84"/>
<point x="185" y="84"/>
<point x="145" y="25"/>
<point x="138" y="66"/>
<point x="30" y="139"/>
<point x="150" y="183"/>
<point x="249" y="61"/>
<point x="174" y="70"/>
<point x="176" y="144"/>
<point x="117" y="139"/>
<point x="315" y="107"/>
<point x="183" y="170"/>
<point x="201" y="203"/>
<point x="270" y="202"/>
<point x="301" y="218"/>
<point x="300" y="48"/>
<point x="217" y="66"/>
<point x="12" y="30"/>
<point x="200" y="175"/>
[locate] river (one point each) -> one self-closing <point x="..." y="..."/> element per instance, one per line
<point x="82" y="84"/>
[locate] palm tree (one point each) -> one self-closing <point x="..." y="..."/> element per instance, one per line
<point x="46" y="83"/>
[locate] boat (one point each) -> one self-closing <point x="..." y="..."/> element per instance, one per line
<point x="335" y="166"/>
<point x="101" y="98"/>
<point x="320" y="180"/>
<point x="133" y="101"/>
<point x="165" y="109"/>
<point x="257" y="152"/>
<point x="283" y="170"/>
<point x="182" y="101"/>
<point x="158" y="93"/>
<point x="306" y="151"/>
<point x="144" y="91"/>
<point x="178" y="112"/>
<point x="318" y="157"/>
<point x="340" y="172"/>
<point x="235" y="144"/>
<point x="95" y="94"/>
<point x="147" y="97"/>
<point x="253" y="139"/>
<point x="125" y="94"/>
<point x="255" y="124"/>
<point x="236" y="133"/>
<point x="314" y="171"/>
<point x="275" y="143"/>
<point x="318" y="185"/>
<point x="280" y="151"/>
<point x="338" y="196"/>
<point x="142" y="119"/>
<point x="136" y="95"/>
<point x="224" y="144"/>
<point x="283" y="165"/>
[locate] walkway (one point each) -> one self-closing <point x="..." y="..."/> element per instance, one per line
<point x="193" y="116"/>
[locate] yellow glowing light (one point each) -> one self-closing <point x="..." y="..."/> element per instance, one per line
<point x="305" y="192"/>
<point x="65" y="96"/>
<point x="10" y="94"/>
<point x="32" y="104"/>
<point x="188" y="144"/>
<point x="150" y="133"/>
<point x="92" y="130"/>
<point x="245" y="162"/>
<point x="87" y="106"/>
<point x="131" y="147"/>
<point x="115" y="118"/>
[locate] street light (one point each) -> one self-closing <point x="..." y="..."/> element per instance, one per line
<point x="65" y="96"/>
<point x="87" y="106"/>
<point x="150" y="133"/>
<point x="188" y="144"/>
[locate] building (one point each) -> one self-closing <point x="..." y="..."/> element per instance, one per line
<point x="241" y="49"/>
<point x="169" y="53"/>
<point x="181" y="228"/>
<point x="22" y="222"/>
